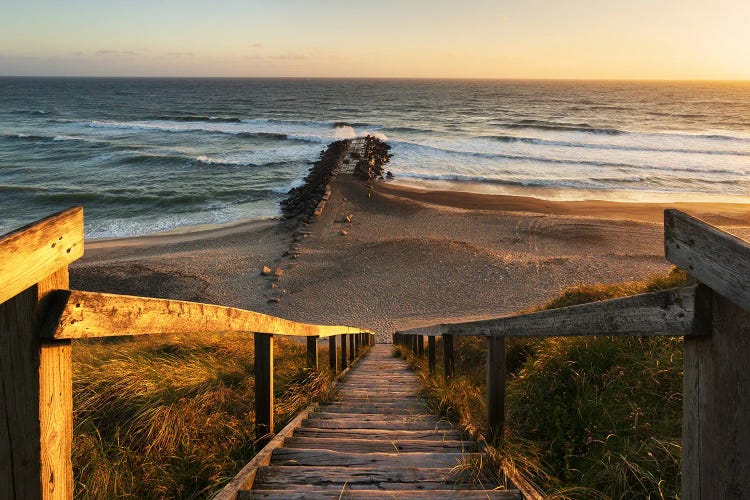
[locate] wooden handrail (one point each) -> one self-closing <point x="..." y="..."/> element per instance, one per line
<point x="77" y="314"/>
<point x="33" y="252"/>
<point x="39" y="316"/>
<point x="663" y="313"/>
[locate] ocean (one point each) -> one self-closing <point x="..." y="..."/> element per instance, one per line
<point x="148" y="155"/>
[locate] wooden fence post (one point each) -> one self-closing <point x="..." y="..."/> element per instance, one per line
<point x="344" y="357"/>
<point x="352" y="353"/>
<point x="495" y="387"/>
<point x="431" y="353"/>
<point x="357" y="344"/>
<point x="36" y="394"/>
<point x="716" y="400"/>
<point x="448" y="355"/>
<point x="312" y="352"/>
<point x="716" y="383"/>
<point x="420" y="345"/>
<point x="37" y="397"/>
<point x="263" y="387"/>
<point x="332" y="358"/>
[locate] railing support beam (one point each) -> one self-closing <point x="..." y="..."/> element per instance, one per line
<point x="344" y="357"/>
<point x="495" y="387"/>
<point x="36" y="402"/>
<point x="332" y="358"/>
<point x="352" y="352"/>
<point x="420" y="345"/>
<point x="431" y="353"/>
<point x="312" y="352"/>
<point x="448" y="355"/>
<point x="716" y="400"/>
<point x="263" y="387"/>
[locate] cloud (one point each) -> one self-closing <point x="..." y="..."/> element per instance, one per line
<point x="257" y="45"/>
<point x="116" y="53"/>
<point x="290" y="56"/>
<point x="180" y="54"/>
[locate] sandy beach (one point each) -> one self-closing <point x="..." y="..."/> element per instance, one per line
<point x="410" y="256"/>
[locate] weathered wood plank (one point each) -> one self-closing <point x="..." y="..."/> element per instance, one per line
<point x="431" y="354"/>
<point x="36" y="414"/>
<point x="349" y="494"/>
<point x="381" y="445"/>
<point x="354" y="423"/>
<point x="374" y="417"/>
<point x="716" y="435"/>
<point x="92" y="314"/>
<point x="30" y="254"/>
<point x="328" y="458"/>
<point x="245" y="478"/>
<point x="358" y="477"/>
<point x="430" y="434"/>
<point x="717" y="259"/>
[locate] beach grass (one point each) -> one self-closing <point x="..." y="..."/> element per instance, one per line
<point x="169" y="416"/>
<point x="587" y="417"/>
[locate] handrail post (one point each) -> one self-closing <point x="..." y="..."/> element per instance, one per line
<point x="352" y="352"/>
<point x="35" y="450"/>
<point x="448" y="355"/>
<point x="263" y="387"/>
<point x="431" y="353"/>
<point x="312" y="352"/>
<point x="495" y="387"/>
<point x="420" y="345"/>
<point x="332" y="358"/>
<point x="344" y="357"/>
<point x="357" y="344"/>
<point x="716" y="402"/>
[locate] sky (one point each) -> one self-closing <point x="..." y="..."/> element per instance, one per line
<point x="578" y="39"/>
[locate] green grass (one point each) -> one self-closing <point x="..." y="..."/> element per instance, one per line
<point x="173" y="416"/>
<point x="587" y="417"/>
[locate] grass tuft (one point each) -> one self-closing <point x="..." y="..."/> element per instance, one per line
<point x="173" y="416"/>
<point x="587" y="417"/>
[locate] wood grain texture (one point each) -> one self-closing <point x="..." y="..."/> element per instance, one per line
<point x="332" y="355"/>
<point x="326" y="458"/>
<point x="381" y="445"/>
<point x="355" y="423"/>
<point x="36" y="415"/>
<point x="92" y="314"/>
<point x="716" y="434"/>
<point x="411" y="494"/>
<point x="716" y="258"/>
<point x="431" y="354"/>
<point x="30" y="254"/>
<point x="663" y="313"/>
<point x="430" y="434"/>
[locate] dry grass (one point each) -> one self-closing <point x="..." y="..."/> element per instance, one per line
<point x="173" y="416"/>
<point x="589" y="417"/>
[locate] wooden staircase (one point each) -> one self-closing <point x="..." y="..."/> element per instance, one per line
<point x="377" y="440"/>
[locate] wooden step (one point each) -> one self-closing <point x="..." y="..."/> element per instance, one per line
<point x="327" y="458"/>
<point x="281" y="477"/>
<point x="381" y="445"/>
<point x="373" y="408"/>
<point x="355" y="423"/>
<point x="387" y="417"/>
<point x="439" y="435"/>
<point x="346" y="493"/>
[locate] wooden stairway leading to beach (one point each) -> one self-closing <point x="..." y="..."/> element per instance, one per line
<point x="377" y="440"/>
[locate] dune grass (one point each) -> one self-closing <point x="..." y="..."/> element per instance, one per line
<point x="587" y="417"/>
<point x="173" y="416"/>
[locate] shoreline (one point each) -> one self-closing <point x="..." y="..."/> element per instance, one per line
<point x="718" y="213"/>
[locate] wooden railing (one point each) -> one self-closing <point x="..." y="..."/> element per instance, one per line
<point x="713" y="316"/>
<point x="39" y="316"/>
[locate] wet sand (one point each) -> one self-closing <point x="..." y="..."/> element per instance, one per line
<point x="411" y="257"/>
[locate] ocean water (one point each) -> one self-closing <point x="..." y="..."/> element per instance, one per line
<point x="146" y="155"/>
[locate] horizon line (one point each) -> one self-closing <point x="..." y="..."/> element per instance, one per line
<point x="421" y="78"/>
